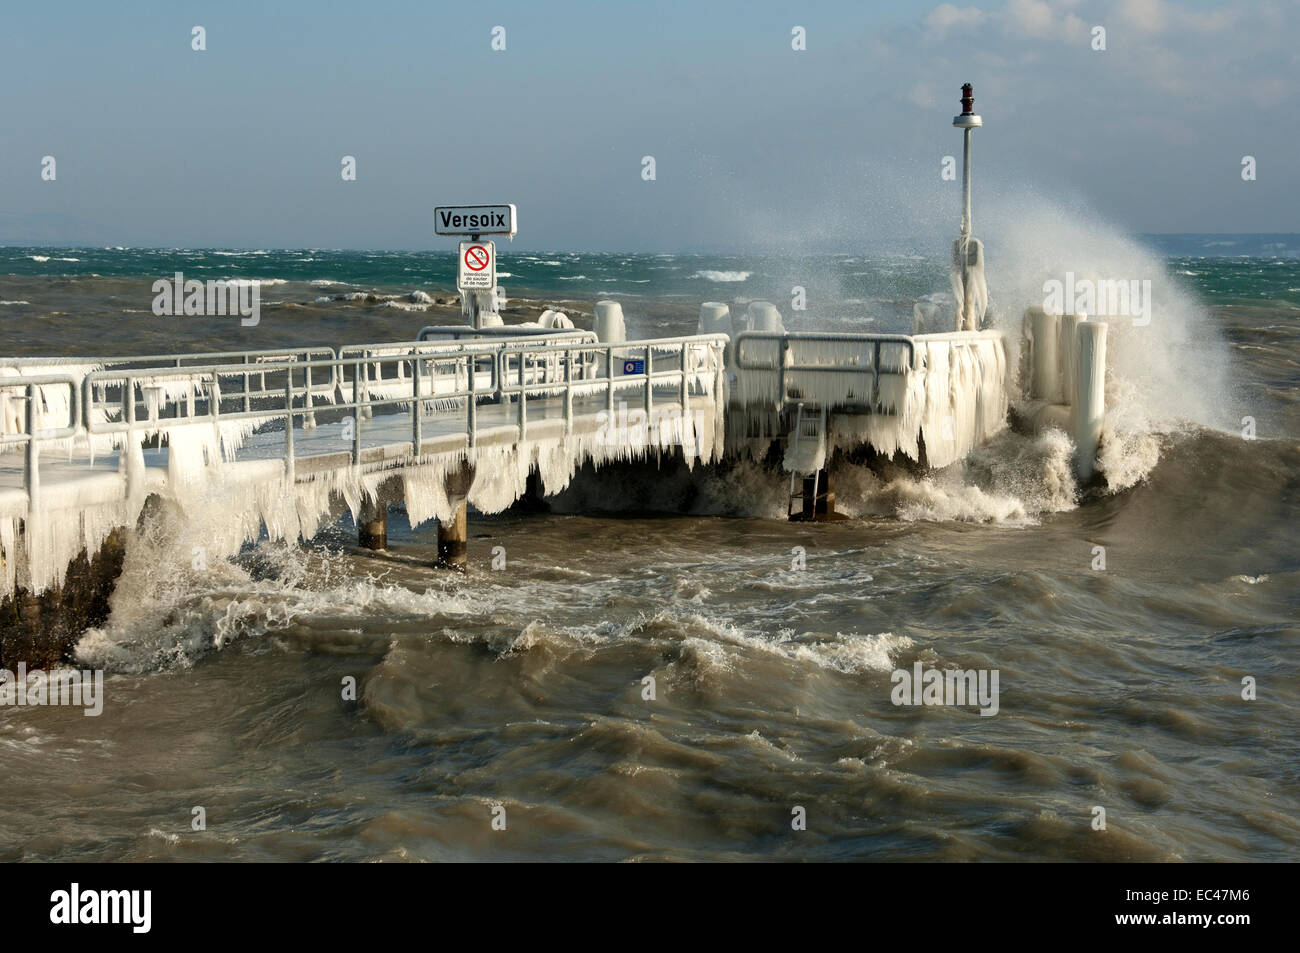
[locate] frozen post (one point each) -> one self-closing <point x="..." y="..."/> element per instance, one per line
<point x="608" y="324"/>
<point x="763" y="316"/>
<point x="715" y="318"/>
<point x="1068" y="354"/>
<point x="1044" y="336"/>
<point x="1089" y="398"/>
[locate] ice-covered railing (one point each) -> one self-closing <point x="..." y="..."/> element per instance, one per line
<point x="203" y="413"/>
<point x="538" y="404"/>
<point x="948" y="392"/>
<point x="680" y="367"/>
<point x="46" y="406"/>
<point x="253" y="383"/>
<point x="41" y="423"/>
<point x="285" y="395"/>
<point x="423" y="380"/>
<point x="833" y="370"/>
<point x="381" y="380"/>
<point x="462" y="332"/>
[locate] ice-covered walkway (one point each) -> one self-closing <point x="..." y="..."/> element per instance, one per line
<point x="275" y="439"/>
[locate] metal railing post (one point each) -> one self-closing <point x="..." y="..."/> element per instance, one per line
<point x="609" y="378"/>
<point x="875" y="376"/>
<point x="783" y="359"/>
<point x="356" y="414"/>
<point x="31" y="460"/>
<point x="129" y="447"/>
<point x="684" y="398"/>
<point x="568" y="392"/>
<point x="309" y="417"/>
<point x="365" y="375"/>
<point x="649" y="381"/>
<point x="289" y="474"/>
<point x="718" y="367"/>
<point x="523" y="401"/>
<point x="471" y="407"/>
<point x="417" y="437"/>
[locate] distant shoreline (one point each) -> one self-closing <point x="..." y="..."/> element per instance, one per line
<point x="1177" y="244"/>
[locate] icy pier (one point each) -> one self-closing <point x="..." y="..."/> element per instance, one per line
<point x="269" y="443"/>
<point x="270" y="438"/>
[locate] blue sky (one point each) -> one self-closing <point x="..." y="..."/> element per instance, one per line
<point x="757" y="146"/>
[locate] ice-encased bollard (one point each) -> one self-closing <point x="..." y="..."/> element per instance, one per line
<point x="1089" y="397"/>
<point x="1044" y="333"/>
<point x="763" y="316"/>
<point x="555" y="320"/>
<point x="1067" y="343"/>
<point x="715" y="318"/>
<point x="609" y="325"/>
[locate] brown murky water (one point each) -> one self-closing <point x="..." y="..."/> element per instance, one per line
<point x="770" y="646"/>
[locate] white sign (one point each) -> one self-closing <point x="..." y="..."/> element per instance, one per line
<point x="474" y="220"/>
<point x="478" y="266"/>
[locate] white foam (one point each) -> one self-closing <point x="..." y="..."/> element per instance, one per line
<point x="722" y="276"/>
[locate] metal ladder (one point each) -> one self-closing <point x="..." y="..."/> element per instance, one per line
<point x="816" y="430"/>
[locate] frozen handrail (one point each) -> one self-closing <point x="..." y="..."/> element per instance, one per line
<point x="571" y="368"/>
<point x="826" y="368"/>
<point x="829" y="337"/>
<point x="210" y="394"/>
<point x="284" y="403"/>
<point x="33" y="434"/>
<point x="458" y="331"/>
<point x="263" y="356"/>
<point x="30" y="429"/>
<point x="837" y="369"/>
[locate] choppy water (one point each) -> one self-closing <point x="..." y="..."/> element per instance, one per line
<point x="1120" y="688"/>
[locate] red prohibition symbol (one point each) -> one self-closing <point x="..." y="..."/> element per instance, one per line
<point x="476" y="257"/>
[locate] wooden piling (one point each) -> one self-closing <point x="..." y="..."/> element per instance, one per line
<point x="453" y="540"/>
<point x="372" y="524"/>
<point x="453" y="534"/>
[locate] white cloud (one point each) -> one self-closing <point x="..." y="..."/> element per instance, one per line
<point x="1034" y="17"/>
<point x="1213" y="22"/>
<point x="1146" y="15"/>
<point x="921" y="95"/>
<point x="947" y="15"/>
